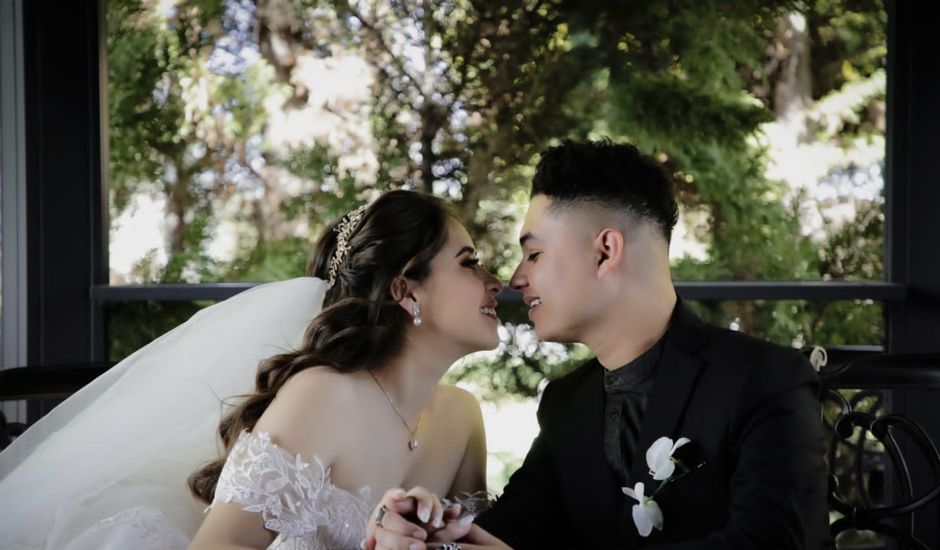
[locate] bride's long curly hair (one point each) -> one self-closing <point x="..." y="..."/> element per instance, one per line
<point x="360" y="323"/>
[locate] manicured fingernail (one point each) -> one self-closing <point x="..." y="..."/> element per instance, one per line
<point x="416" y="546"/>
<point x="362" y="544"/>
<point x="465" y="521"/>
<point x="438" y="523"/>
<point x="419" y="534"/>
<point x="424" y="514"/>
<point x="398" y="493"/>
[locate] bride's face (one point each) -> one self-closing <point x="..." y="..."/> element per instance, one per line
<point x="458" y="299"/>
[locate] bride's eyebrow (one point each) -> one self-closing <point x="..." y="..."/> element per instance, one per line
<point x="465" y="249"/>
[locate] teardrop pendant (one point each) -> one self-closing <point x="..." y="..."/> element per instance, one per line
<point x="413" y="444"/>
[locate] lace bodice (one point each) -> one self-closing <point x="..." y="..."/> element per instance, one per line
<point x="296" y="499"/>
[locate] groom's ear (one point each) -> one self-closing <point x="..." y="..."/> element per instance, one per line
<point x="608" y="250"/>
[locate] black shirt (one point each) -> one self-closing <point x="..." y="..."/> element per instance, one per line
<point x="626" y="390"/>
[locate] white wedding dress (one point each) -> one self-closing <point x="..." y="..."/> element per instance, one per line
<point x="107" y="468"/>
<point x="296" y="499"/>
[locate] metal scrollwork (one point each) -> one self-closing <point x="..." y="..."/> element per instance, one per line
<point x="863" y="413"/>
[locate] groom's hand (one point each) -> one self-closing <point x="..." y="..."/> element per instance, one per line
<point x="408" y="519"/>
<point x="479" y="538"/>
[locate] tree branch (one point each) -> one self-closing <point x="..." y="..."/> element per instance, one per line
<point x="377" y="35"/>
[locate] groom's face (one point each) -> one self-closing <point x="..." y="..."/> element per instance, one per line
<point x="557" y="270"/>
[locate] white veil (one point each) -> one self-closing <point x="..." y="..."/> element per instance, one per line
<point x="132" y="437"/>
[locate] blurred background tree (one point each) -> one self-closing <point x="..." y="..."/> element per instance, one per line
<point x="239" y="128"/>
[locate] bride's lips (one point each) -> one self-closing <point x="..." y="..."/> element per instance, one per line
<point x="489" y="311"/>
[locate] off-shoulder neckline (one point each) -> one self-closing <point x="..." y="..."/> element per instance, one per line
<point x="324" y="474"/>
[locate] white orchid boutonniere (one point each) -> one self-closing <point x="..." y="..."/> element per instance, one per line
<point x="662" y="464"/>
<point x="646" y="513"/>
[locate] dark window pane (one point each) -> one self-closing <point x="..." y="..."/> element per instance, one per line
<point x="132" y="325"/>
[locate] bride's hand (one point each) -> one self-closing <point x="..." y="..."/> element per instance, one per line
<point x="396" y="531"/>
<point x="455" y="527"/>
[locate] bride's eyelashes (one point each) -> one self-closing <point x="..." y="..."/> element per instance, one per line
<point x="470" y="262"/>
<point x="532" y="257"/>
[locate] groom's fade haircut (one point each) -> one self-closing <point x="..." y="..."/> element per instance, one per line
<point x="611" y="175"/>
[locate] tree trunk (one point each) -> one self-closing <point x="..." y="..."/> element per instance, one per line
<point x="429" y="129"/>
<point x="793" y="85"/>
<point x="178" y="202"/>
<point x="280" y="37"/>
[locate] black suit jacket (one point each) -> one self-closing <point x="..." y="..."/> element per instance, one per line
<point x="752" y="411"/>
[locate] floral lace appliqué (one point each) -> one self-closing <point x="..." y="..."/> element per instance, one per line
<point x="296" y="500"/>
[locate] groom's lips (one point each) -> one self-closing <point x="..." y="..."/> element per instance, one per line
<point x="533" y="303"/>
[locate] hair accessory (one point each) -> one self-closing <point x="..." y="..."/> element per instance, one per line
<point x="344" y="230"/>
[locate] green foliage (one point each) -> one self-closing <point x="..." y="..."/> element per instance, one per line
<point x="335" y="193"/>
<point x="132" y="325"/>
<point x="702" y="138"/>
<point x="464" y="94"/>
<point x="800" y="324"/>
<point x="494" y="88"/>
<point x="849" y="41"/>
<point x="191" y="263"/>
<point x="856" y="251"/>
<point x="272" y="261"/>
<point x="175" y="126"/>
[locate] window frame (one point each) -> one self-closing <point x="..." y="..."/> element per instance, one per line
<point x="908" y="265"/>
<point x="65" y="144"/>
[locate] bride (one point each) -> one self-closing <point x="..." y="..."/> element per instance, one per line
<point x="332" y="420"/>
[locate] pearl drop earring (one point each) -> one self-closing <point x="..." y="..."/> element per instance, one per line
<point x="416" y="312"/>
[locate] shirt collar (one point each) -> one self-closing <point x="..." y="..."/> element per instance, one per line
<point x="640" y="370"/>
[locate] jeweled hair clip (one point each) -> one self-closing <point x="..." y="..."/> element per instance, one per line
<point x="344" y="231"/>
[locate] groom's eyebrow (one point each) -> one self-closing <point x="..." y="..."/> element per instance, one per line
<point x="465" y="249"/>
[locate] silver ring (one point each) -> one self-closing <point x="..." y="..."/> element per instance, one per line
<point x="380" y="515"/>
<point x="448" y="546"/>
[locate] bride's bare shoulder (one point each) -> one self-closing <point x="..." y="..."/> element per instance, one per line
<point x="455" y="394"/>
<point x="459" y="402"/>
<point x="302" y="415"/>
<point x="314" y="389"/>
<point x="319" y="378"/>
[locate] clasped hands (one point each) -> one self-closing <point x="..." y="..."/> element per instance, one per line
<point x="418" y="520"/>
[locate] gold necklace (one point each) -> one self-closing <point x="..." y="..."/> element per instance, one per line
<point x="413" y="442"/>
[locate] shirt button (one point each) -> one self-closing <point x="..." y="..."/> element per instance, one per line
<point x="612" y="415"/>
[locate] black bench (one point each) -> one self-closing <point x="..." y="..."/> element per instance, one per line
<point x="872" y="451"/>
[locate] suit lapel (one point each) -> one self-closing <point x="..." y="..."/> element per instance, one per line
<point x="594" y="494"/>
<point x="676" y="376"/>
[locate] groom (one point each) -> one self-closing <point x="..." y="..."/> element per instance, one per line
<point x="595" y="269"/>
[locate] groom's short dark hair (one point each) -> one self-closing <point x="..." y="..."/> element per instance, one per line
<point x="614" y="175"/>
